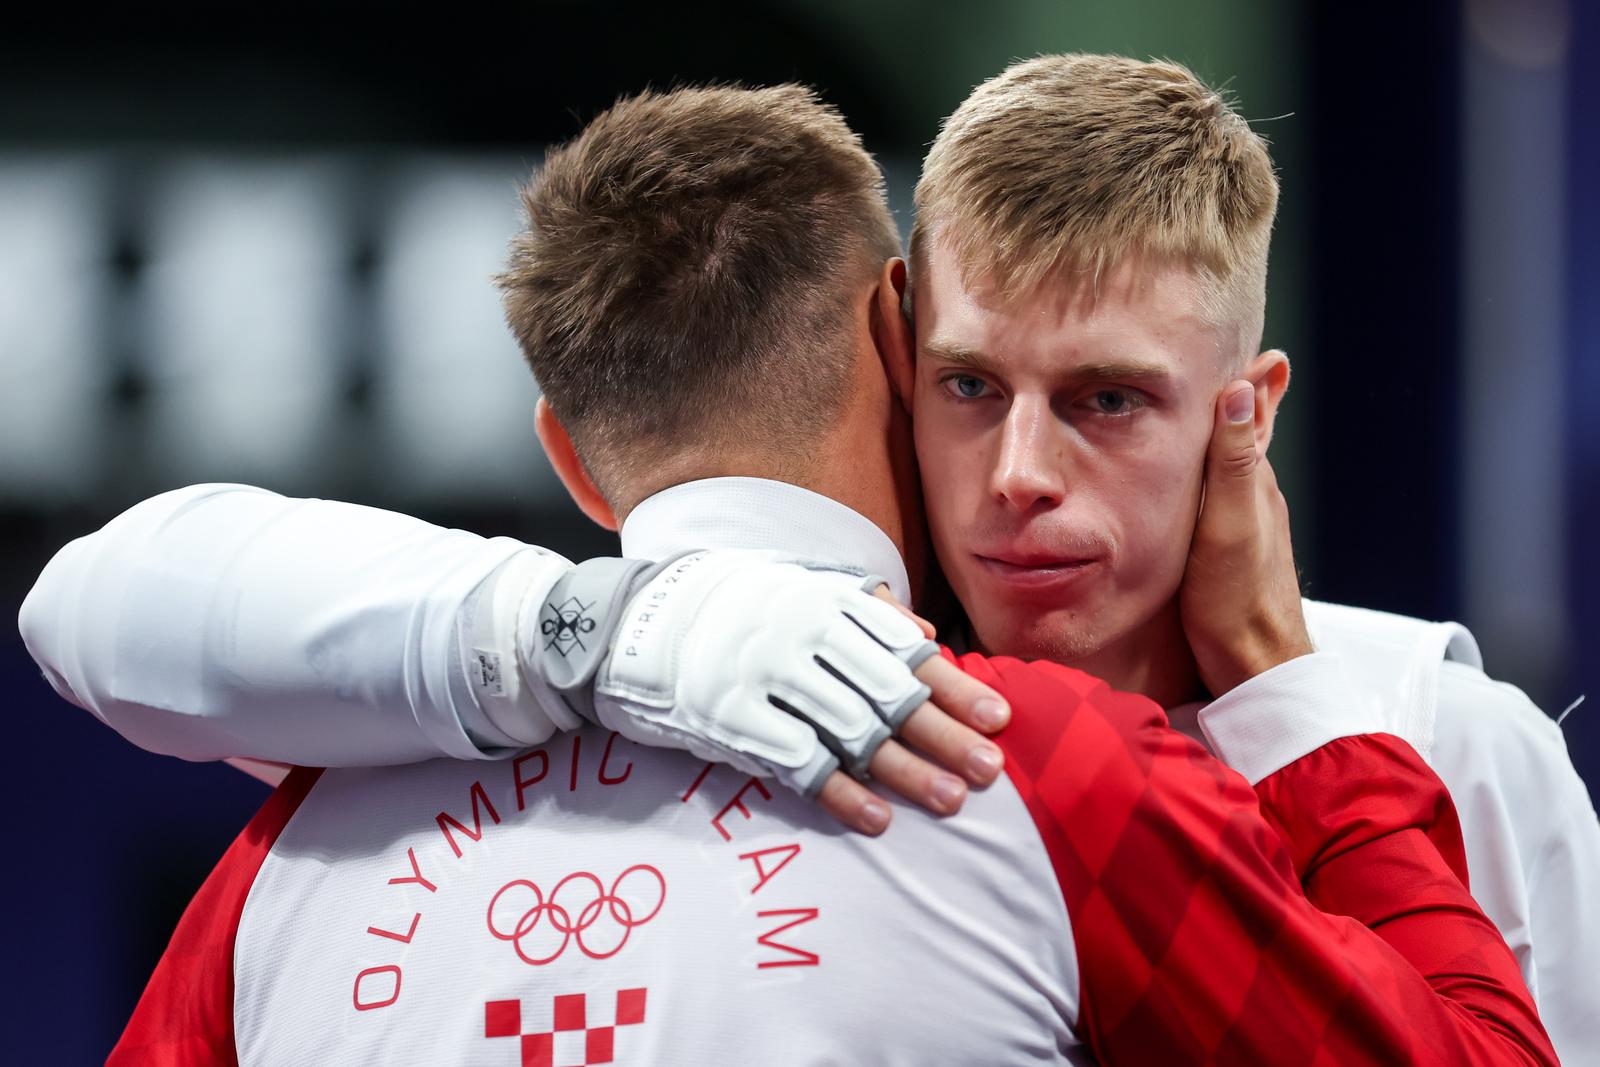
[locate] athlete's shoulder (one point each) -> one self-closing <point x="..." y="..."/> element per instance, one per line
<point x="1504" y="760"/>
<point x="1071" y="736"/>
<point x="1495" y="725"/>
<point x="1393" y="662"/>
<point x="1439" y="664"/>
<point x="1393" y="638"/>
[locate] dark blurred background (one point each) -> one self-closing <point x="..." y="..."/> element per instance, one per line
<point x="253" y="244"/>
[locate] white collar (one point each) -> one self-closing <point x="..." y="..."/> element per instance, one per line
<point x="760" y="513"/>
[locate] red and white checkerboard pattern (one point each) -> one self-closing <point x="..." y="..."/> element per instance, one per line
<point x="571" y="1041"/>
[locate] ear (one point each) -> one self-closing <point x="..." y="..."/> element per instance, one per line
<point x="891" y="330"/>
<point x="1269" y="373"/>
<point x="569" y="468"/>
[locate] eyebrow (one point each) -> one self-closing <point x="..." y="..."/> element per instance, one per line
<point x="1105" y="372"/>
<point x="1129" y="370"/>
<point x="955" y="352"/>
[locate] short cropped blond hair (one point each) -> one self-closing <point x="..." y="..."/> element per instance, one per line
<point x="1078" y="162"/>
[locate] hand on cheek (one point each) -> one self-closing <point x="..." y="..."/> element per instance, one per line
<point x="1240" y="598"/>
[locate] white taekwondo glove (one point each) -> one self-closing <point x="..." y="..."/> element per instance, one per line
<point x="779" y="667"/>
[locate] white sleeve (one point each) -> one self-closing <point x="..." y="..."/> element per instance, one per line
<point x="223" y="620"/>
<point x="1533" y="845"/>
<point x="1564" y="904"/>
<point x="1266" y="723"/>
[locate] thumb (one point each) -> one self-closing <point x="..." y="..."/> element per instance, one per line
<point x="1231" y="459"/>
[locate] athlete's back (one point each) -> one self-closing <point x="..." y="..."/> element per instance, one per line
<point x="591" y="902"/>
<point x="459" y="912"/>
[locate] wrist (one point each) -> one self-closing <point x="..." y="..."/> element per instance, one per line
<point x="1250" y="652"/>
<point x="565" y="634"/>
<point x="510" y="705"/>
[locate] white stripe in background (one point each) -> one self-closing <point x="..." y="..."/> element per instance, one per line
<point x="453" y="397"/>
<point x="54" y="296"/>
<point x="244" y="299"/>
<point x="1511" y="474"/>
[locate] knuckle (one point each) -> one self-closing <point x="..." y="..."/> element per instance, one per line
<point x="1238" y="462"/>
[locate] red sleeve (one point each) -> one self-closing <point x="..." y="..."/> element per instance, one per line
<point x="1374" y="835"/>
<point x="185" y="1015"/>
<point x="1196" y="941"/>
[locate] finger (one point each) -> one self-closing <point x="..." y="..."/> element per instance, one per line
<point x="890" y="627"/>
<point x="957" y="748"/>
<point x="872" y="670"/>
<point x="917" y="780"/>
<point x="1233" y="439"/>
<point x="854" y="804"/>
<point x="963" y="697"/>
<point x="928" y="630"/>
<point x="1228" y="511"/>
<point x="845" y="723"/>
<point x="1277" y="508"/>
<point x="1267" y="490"/>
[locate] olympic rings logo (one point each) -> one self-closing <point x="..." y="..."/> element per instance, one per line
<point x="574" y="911"/>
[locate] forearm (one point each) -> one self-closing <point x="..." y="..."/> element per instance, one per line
<point x="222" y="621"/>
<point x="1366" y="821"/>
<point x="1373" y="835"/>
<point x="1419" y="976"/>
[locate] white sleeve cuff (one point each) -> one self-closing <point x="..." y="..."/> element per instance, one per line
<point x="500" y="712"/>
<point x="1263" y="725"/>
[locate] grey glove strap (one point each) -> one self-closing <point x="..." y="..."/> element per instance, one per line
<point x="859" y="761"/>
<point x="578" y="621"/>
<point x="869" y="585"/>
<point x="808" y="780"/>
<point x="855" y="763"/>
<point x="897" y="716"/>
<point x="913" y="658"/>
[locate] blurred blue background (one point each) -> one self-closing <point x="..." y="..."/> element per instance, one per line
<point x="258" y="248"/>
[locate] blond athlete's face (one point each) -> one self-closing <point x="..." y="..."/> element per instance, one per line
<point x="1061" y="440"/>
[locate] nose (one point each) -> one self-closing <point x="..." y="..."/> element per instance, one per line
<point x="1028" y="469"/>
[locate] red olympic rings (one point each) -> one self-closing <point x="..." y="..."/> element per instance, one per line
<point x="560" y="913"/>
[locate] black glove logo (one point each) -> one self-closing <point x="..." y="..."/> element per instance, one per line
<point x="568" y="622"/>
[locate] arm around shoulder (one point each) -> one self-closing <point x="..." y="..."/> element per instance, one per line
<point x="224" y="620"/>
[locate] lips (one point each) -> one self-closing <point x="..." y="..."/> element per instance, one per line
<point x="1031" y="571"/>
<point x="1025" y="559"/>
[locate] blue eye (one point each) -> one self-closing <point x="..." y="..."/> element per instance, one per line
<point x="965" y="386"/>
<point x="1116" y="402"/>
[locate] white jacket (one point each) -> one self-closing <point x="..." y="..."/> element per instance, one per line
<point x="1533" y="843"/>
<point x="188" y="621"/>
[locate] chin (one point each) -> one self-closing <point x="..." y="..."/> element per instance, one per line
<point x="1063" y="637"/>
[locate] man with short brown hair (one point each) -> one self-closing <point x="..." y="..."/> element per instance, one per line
<point x="745" y="246"/>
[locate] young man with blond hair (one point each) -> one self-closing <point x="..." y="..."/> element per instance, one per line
<point x="1089" y="270"/>
<point x="1089" y="265"/>
<point x="869" y="418"/>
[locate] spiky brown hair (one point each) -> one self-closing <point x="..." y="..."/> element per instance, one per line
<point x="686" y="270"/>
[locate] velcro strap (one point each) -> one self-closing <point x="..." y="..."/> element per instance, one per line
<point x="575" y="623"/>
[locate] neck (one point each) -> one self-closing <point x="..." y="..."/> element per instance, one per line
<point x="854" y="471"/>
<point x="1154" y="660"/>
<point x="854" y="479"/>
